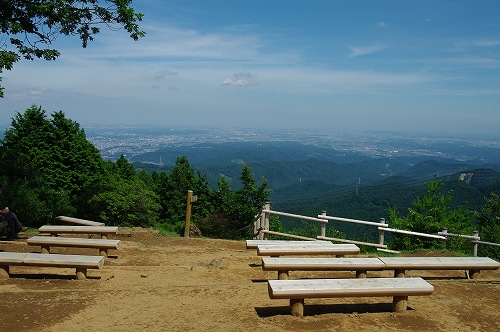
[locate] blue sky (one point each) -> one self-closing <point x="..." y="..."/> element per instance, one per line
<point x="417" y="66"/>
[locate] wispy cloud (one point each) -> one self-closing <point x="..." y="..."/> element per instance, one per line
<point x="161" y="74"/>
<point x="381" y="24"/>
<point x="240" y="79"/>
<point x="487" y="43"/>
<point x="364" y="50"/>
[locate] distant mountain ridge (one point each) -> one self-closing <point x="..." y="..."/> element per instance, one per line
<point x="307" y="179"/>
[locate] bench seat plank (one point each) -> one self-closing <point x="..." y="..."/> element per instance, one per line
<point x="439" y="263"/>
<point x="285" y="250"/>
<point x="321" y="264"/>
<point x="253" y="244"/>
<point x="324" y="288"/>
<point x="78" y="229"/>
<point x="73" y="242"/>
<point x="77" y="221"/>
<point x="56" y="260"/>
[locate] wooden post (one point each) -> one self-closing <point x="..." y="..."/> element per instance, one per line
<point x="264" y="222"/>
<point x="103" y="252"/>
<point x="297" y="306"/>
<point x="474" y="274"/>
<point x="4" y="272"/>
<point x="400" y="303"/>
<point x="188" y="213"/>
<point x="444" y="233"/>
<point x="475" y="245"/>
<point x="258" y="224"/>
<point x="399" y="273"/>
<point x="45" y="249"/>
<point x="361" y="274"/>
<point x="381" y="232"/>
<point x="81" y="274"/>
<point x="282" y="275"/>
<point x="323" y="225"/>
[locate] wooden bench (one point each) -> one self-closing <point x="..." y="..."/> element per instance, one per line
<point x="307" y="249"/>
<point x="103" y="231"/>
<point x="298" y="290"/>
<point x="81" y="262"/>
<point x="285" y="264"/>
<point x="45" y="242"/>
<point x="253" y="244"/>
<point x="76" y="221"/>
<point x="473" y="265"/>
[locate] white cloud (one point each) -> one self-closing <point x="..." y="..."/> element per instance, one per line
<point x="359" y="51"/>
<point x="164" y="73"/>
<point x="381" y="24"/>
<point x="240" y="79"/>
<point x="487" y="43"/>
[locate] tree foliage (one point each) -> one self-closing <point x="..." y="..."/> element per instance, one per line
<point x="124" y="199"/>
<point x="489" y="226"/>
<point x="28" y="28"/>
<point x="430" y="214"/>
<point x="234" y="212"/>
<point x="47" y="163"/>
<point x="57" y="149"/>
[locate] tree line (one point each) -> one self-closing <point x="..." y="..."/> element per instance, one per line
<point x="49" y="168"/>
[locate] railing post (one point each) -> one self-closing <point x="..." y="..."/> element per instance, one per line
<point x="258" y="223"/>
<point x="475" y="244"/>
<point x="323" y="224"/>
<point x="265" y="222"/>
<point x="381" y="232"/>
<point x="445" y="234"/>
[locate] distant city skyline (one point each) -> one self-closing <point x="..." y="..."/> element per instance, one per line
<point x="415" y="66"/>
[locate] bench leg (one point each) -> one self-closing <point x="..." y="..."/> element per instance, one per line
<point x="81" y="274"/>
<point x="282" y="275"/>
<point x="399" y="303"/>
<point x="297" y="306"/>
<point x="4" y="272"/>
<point x="45" y="249"/>
<point x="399" y="273"/>
<point x="103" y="252"/>
<point x="474" y="274"/>
<point x="361" y="274"/>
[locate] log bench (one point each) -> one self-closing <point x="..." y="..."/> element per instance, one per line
<point x="77" y="221"/>
<point x="253" y="244"/>
<point x="471" y="264"/>
<point x="45" y="242"/>
<point x="285" y="264"/>
<point x="298" y="290"/>
<point x="103" y="231"/>
<point x="81" y="262"/>
<point x="307" y="248"/>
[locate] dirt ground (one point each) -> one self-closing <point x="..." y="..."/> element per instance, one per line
<point x="155" y="283"/>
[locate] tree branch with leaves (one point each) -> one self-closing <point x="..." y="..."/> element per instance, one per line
<point x="29" y="27"/>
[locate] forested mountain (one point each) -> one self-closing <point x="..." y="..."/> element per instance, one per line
<point x="307" y="179"/>
<point x="357" y="175"/>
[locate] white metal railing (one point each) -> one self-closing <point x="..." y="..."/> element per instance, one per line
<point x="261" y="229"/>
<point x="474" y="240"/>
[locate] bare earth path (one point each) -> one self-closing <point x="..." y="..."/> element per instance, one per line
<point x="156" y="283"/>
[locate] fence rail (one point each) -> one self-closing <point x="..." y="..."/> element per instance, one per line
<point x="261" y="230"/>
